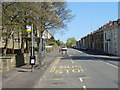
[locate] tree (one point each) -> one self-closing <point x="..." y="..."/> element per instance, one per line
<point x="43" y="16"/>
<point x="59" y="43"/>
<point x="71" y="42"/>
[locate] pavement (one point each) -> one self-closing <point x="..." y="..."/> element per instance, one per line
<point x="77" y="69"/>
<point x="22" y="77"/>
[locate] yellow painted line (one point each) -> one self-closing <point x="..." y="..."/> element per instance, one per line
<point x="55" y="79"/>
<point x="71" y="67"/>
<point x="86" y="77"/>
<point x="67" y="70"/>
<point x="81" y="80"/>
<point x="75" y="70"/>
<point x="58" y="79"/>
<point x="81" y="70"/>
<point x="57" y="61"/>
<point x="53" y="69"/>
<point x="54" y="64"/>
<point x="77" y="66"/>
<point x="84" y="87"/>
<point x="58" y="72"/>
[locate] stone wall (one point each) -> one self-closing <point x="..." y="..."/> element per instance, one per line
<point x="52" y="49"/>
<point x="7" y="63"/>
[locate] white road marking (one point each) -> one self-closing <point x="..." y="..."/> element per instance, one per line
<point x="80" y="51"/>
<point x="81" y="80"/>
<point x="101" y="61"/>
<point x="109" y="64"/>
<point x="71" y="59"/>
<point x="112" y="65"/>
<point x="84" y="87"/>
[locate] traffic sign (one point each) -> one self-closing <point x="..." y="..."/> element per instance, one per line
<point x="29" y="28"/>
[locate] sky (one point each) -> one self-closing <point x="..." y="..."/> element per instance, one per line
<point x="89" y="16"/>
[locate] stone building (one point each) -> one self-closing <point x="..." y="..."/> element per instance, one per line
<point x="93" y="41"/>
<point x="15" y="41"/>
<point x="105" y="39"/>
<point x="112" y="38"/>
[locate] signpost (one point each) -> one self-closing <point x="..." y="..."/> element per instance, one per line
<point x="32" y="57"/>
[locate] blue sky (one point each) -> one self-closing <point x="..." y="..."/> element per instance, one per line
<point x="89" y="16"/>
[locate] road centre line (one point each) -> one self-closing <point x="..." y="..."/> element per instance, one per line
<point x="81" y="70"/>
<point x="84" y="87"/>
<point x="71" y="59"/>
<point x="81" y="80"/>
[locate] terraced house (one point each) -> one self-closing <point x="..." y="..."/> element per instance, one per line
<point x="112" y="38"/>
<point x="105" y="39"/>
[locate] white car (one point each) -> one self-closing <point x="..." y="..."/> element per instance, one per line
<point x="64" y="49"/>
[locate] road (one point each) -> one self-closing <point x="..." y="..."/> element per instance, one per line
<point x="80" y="70"/>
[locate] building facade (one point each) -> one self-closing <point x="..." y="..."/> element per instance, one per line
<point x="111" y="38"/>
<point x="105" y="39"/>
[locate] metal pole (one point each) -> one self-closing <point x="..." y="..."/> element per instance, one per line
<point x="32" y="47"/>
<point x="32" y="39"/>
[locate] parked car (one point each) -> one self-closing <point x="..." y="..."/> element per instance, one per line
<point x="78" y="47"/>
<point x="83" y="48"/>
<point x="73" y="47"/>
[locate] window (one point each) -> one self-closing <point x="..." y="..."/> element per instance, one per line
<point x="105" y="35"/>
<point x="115" y="50"/>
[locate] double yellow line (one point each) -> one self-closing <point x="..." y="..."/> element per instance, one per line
<point x="53" y="69"/>
<point x="54" y="65"/>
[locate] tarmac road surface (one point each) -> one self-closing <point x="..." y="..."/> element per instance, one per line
<point x="80" y="70"/>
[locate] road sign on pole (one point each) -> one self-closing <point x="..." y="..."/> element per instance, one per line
<point x="32" y="57"/>
<point x="29" y="28"/>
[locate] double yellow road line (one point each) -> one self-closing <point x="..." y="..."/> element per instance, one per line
<point x="54" y="65"/>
